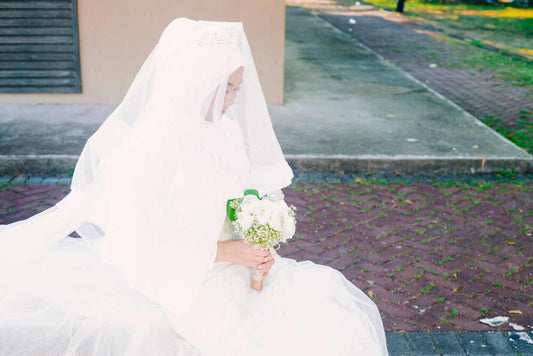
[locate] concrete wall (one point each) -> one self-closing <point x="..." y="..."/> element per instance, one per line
<point x="117" y="36"/>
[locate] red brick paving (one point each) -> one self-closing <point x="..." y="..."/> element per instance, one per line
<point x="405" y="245"/>
<point x="409" y="245"/>
<point x="21" y="202"/>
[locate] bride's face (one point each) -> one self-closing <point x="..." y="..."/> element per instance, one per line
<point x="234" y="80"/>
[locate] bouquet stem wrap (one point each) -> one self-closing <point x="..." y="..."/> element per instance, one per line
<point x="257" y="281"/>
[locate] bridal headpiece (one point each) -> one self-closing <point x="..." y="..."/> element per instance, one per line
<point x="208" y="35"/>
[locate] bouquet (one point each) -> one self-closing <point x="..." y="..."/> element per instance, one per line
<point x="263" y="222"/>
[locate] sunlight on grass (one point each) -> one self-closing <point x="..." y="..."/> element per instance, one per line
<point x="501" y="26"/>
<point x="526" y="51"/>
<point x="508" y="12"/>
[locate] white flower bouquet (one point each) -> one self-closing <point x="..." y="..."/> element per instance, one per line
<point x="263" y="222"/>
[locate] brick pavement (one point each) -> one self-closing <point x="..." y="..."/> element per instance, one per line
<point x="413" y="47"/>
<point x="434" y="257"/>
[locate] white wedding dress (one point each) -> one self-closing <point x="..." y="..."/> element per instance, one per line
<point x="69" y="302"/>
<point x="303" y="309"/>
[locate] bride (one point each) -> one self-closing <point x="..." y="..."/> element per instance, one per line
<point x="158" y="269"/>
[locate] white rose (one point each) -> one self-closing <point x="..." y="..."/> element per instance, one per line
<point x="289" y="227"/>
<point x="276" y="195"/>
<point x="281" y="205"/>
<point x="275" y="221"/>
<point x="249" y="199"/>
<point x="250" y="206"/>
<point x="245" y="220"/>
<point x="263" y="214"/>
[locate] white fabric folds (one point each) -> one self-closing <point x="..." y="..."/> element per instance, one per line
<point x="150" y="187"/>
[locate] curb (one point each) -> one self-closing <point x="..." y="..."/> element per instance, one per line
<point x="37" y="165"/>
<point x="63" y="165"/>
<point x="317" y="177"/>
<point x="341" y="164"/>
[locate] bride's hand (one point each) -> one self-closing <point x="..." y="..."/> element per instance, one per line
<point x="241" y="253"/>
<point x="265" y="267"/>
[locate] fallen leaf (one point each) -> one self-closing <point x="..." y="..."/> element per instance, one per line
<point x="371" y="293"/>
<point x="515" y="312"/>
<point x="454" y="290"/>
<point x="408" y="201"/>
<point x="483" y="164"/>
<point x="341" y="203"/>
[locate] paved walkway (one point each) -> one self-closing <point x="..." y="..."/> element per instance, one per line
<point x="414" y="47"/>
<point x="347" y="110"/>
<point x="436" y="254"/>
<point x="359" y="113"/>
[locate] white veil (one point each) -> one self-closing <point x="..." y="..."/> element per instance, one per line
<point x="151" y="184"/>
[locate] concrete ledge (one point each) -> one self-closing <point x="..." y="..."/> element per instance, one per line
<point x="63" y="165"/>
<point x="37" y="165"/>
<point x="342" y="164"/>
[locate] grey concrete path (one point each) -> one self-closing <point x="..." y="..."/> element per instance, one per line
<point x="347" y="111"/>
<point x="487" y="343"/>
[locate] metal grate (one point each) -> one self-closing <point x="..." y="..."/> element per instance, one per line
<point x="39" y="46"/>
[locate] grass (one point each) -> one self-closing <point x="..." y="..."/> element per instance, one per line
<point x="467" y="55"/>
<point x="520" y="134"/>
<point x="498" y="25"/>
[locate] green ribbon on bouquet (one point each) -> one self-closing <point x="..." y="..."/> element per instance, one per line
<point x="231" y="212"/>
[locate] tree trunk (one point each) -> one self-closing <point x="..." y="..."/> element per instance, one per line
<point x="399" y="5"/>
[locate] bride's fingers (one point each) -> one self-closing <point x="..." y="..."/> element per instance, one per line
<point x="262" y="257"/>
<point x="263" y="253"/>
<point x="265" y="266"/>
<point x="258" y="260"/>
<point x="267" y="258"/>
